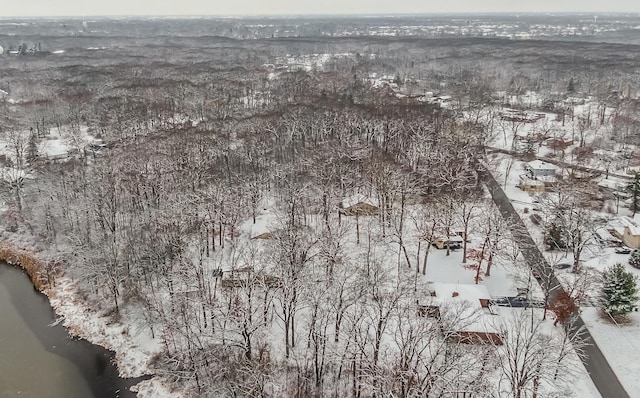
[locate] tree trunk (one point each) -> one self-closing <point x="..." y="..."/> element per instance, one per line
<point x="286" y="337"/>
<point x="426" y="256"/>
<point x="464" y="243"/>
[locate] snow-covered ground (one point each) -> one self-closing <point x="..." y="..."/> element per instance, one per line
<point x="135" y="348"/>
<point x="602" y="152"/>
<point x="505" y="278"/>
<point x="620" y="345"/>
<point x="131" y="341"/>
<point x="53" y="148"/>
<point x="617" y="342"/>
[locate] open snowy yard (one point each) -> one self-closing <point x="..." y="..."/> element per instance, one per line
<point x="619" y="344"/>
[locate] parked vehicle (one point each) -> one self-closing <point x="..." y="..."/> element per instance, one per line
<point x="453" y="242"/>
<point x="97" y="146"/>
<point x="536" y="219"/>
<point x="623" y="250"/>
<point x="517" y="302"/>
<point x="563" y="266"/>
<point x="500" y="301"/>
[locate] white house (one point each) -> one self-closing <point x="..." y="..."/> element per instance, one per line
<point x="538" y="168"/>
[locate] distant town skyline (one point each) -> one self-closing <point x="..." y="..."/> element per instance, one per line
<point x="27" y="8"/>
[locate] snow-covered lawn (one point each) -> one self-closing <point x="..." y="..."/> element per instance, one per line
<point x="616" y="342"/>
<point x="53" y="148"/>
<point x="583" y="385"/>
<point x="619" y="344"/>
<point x="449" y="269"/>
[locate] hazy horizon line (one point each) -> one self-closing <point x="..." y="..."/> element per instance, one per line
<point x="335" y="15"/>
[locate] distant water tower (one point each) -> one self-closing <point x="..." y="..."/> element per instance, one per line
<point x="85" y="25"/>
<point x="595" y="18"/>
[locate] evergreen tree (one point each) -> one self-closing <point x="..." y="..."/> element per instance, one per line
<point x="530" y="148"/>
<point x="398" y="79"/>
<point x="571" y="87"/>
<point x="634" y="189"/>
<point x="619" y="293"/>
<point x="634" y="260"/>
<point x="553" y="237"/>
<point x="32" y="149"/>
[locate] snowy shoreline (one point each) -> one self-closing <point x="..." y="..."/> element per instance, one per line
<point x="133" y="353"/>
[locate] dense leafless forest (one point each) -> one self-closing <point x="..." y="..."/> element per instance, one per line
<point x="263" y="198"/>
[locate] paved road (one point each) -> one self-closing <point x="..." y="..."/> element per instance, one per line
<point x="596" y="364"/>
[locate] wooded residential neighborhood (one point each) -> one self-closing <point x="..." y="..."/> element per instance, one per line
<point x="243" y="209"/>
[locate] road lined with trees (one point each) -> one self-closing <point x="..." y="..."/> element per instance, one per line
<point x="594" y="360"/>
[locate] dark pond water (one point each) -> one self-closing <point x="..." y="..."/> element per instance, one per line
<point x="41" y="361"/>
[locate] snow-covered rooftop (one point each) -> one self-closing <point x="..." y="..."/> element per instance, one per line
<point x="540" y="165"/>
<point x="611" y="184"/>
<point x="631" y="223"/>
<point x="446" y="292"/>
<point x="464" y="301"/>
<point x="605" y="235"/>
<point x="358" y="198"/>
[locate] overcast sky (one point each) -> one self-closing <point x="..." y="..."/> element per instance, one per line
<point x="278" y="7"/>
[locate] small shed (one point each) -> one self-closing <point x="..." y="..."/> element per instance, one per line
<point x="360" y="209"/>
<point x="530" y="185"/>
<point x="453" y="242"/>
